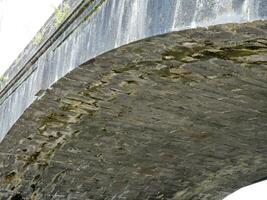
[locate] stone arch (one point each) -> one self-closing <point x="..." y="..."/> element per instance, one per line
<point x="176" y="116"/>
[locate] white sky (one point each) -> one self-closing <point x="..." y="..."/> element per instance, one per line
<point x="256" y="191"/>
<point x="19" y="22"/>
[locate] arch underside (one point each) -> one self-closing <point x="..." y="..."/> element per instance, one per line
<point x="177" y="116"/>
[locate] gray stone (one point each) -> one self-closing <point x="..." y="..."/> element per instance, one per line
<point x="138" y="123"/>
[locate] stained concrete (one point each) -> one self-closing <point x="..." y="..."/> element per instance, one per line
<point x="179" y="116"/>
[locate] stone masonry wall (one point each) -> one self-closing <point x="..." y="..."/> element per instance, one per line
<point x="179" y="116"/>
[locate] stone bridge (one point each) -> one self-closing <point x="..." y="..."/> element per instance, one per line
<point x="180" y="115"/>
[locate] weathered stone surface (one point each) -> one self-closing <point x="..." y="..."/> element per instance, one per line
<point x="177" y="116"/>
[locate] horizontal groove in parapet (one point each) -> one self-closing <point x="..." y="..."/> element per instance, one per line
<point x="74" y="14"/>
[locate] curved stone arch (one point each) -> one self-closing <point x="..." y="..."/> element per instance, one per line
<point x="95" y="27"/>
<point x="176" y="116"/>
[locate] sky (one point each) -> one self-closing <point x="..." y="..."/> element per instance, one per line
<point x="256" y="191"/>
<point x="20" y="20"/>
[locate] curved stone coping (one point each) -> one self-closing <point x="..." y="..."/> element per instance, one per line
<point x="47" y="34"/>
<point x="178" y="116"/>
<point x="97" y="27"/>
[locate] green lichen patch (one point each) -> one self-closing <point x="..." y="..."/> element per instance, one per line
<point x="38" y="38"/>
<point x="61" y="14"/>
